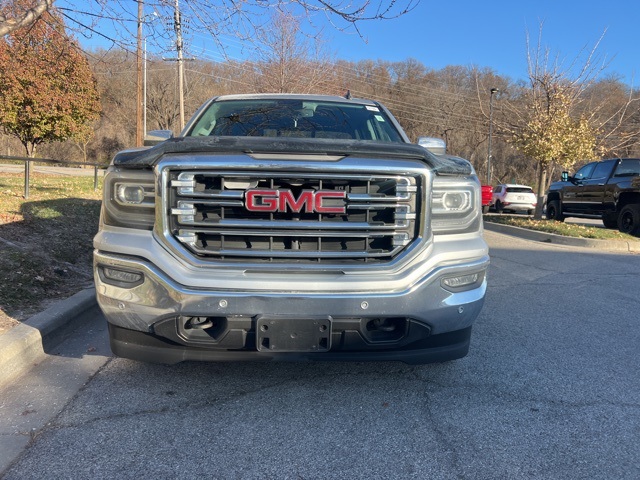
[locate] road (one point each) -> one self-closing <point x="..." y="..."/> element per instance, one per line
<point x="549" y="390"/>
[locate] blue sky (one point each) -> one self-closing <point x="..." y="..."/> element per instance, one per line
<point x="493" y="34"/>
<point x="483" y="34"/>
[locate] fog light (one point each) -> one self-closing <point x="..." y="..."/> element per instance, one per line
<point x="130" y="194"/>
<point x="120" y="278"/>
<point x="459" y="283"/>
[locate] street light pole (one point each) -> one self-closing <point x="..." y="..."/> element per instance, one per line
<point x="492" y="91"/>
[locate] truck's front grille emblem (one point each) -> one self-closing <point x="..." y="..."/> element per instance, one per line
<point x="292" y="217"/>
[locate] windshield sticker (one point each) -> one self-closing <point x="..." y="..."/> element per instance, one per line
<point x="380" y="118"/>
<point x="372" y="109"/>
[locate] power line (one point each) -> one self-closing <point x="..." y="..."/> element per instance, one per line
<point x="420" y="111"/>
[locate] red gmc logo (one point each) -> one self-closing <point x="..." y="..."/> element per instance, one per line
<point x="269" y="200"/>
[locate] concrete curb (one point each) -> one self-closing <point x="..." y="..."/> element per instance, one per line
<point x="615" y="246"/>
<point x="27" y="344"/>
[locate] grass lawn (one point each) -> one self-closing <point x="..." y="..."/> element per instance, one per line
<point x="45" y="241"/>
<point x="560" y="228"/>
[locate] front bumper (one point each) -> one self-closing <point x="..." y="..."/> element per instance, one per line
<point x="518" y="207"/>
<point x="422" y="323"/>
<point x="405" y="313"/>
<point x="148" y="347"/>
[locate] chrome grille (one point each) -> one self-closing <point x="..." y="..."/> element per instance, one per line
<point x="207" y="213"/>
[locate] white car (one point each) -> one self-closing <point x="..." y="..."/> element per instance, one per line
<point x="515" y="198"/>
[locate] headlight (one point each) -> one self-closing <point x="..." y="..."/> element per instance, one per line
<point x="130" y="194"/>
<point x="129" y="199"/>
<point x="455" y="204"/>
<point x="456" y="201"/>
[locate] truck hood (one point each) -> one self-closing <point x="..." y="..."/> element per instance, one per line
<point x="443" y="165"/>
<point x="558" y="185"/>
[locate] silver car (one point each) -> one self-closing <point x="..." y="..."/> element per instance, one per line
<point x="514" y="198"/>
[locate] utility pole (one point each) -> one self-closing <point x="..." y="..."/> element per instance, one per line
<point x="144" y="91"/>
<point x="139" y="106"/>
<point x="178" y="28"/>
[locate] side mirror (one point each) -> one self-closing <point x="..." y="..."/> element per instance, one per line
<point x="436" y="146"/>
<point x="154" y="137"/>
<point x="565" y="176"/>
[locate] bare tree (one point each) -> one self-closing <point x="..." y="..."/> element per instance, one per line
<point x="612" y="106"/>
<point x="288" y="61"/>
<point x="546" y="120"/>
<point x="217" y="18"/>
<point x="20" y="15"/>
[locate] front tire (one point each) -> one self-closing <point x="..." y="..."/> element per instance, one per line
<point x="554" y="212"/>
<point x="629" y="219"/>
<point x="499" y="207"/>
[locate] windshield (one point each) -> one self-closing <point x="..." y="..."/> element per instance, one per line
<point x="295" y="118"/>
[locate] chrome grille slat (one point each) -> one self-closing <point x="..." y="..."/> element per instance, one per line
<point x="358" y="197"/>
<point x="207" y="215"/>
<point x="285" y="254"/>
<point x="295" y="233"/>
<point x="222" y="226"/>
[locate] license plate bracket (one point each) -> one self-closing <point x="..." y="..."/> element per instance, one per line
<point x="293" y="334"/>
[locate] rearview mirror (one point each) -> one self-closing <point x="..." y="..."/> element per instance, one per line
<point x="154" y="137"/>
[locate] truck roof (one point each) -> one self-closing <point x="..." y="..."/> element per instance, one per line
<point x="296" y="96"/>
<point x="514" y="185"/>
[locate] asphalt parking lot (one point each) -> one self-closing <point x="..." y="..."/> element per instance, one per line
<point x="548" y="391"/>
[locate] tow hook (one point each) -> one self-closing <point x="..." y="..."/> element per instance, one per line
<point x="200" y="323"/>
<point x="384" y="325"/>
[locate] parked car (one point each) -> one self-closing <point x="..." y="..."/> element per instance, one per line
<point x="514" y="198"/>
<point x="487" y="196"/>
<point x="609" y="189"/>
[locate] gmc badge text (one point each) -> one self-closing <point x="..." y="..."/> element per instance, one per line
<point x="290" y="227"/>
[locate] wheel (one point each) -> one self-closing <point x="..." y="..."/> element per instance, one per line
<point x="610" y="220"/>
<point x="499" y="207"/>
<point x="485" y="209"/>
<point x="554" y="212"/>
<point x="530" y="211"/>
<point x="629" y="219"/>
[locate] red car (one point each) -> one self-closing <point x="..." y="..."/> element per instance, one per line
<point x="487" y="194"/>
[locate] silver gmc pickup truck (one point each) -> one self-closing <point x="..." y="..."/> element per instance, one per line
<point x="281" y="227"/>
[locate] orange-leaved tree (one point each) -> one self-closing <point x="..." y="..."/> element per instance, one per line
<point x="47" y="90"/>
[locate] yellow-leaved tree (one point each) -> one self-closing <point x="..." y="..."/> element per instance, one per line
<point x="548" y="131"/>
<point x="546" y="119"/>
